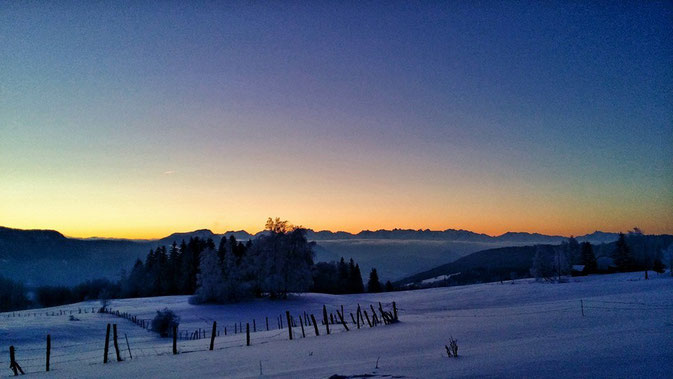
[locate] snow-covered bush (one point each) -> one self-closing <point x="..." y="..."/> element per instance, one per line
<point x="164" y="322"/>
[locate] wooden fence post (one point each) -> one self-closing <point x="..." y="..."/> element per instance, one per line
<point x="358" y="316"/>
<point x="343" y="322"/>
<point x="289" y="324"/>
<point x="212" y="336"/>
<point x="582" y="306"/>
<point x="13" y="364"/>
<point x="107" y="343"/>
<point x="247" y="334"/>
<point x="324" y="317"/>
<point x="254" y="325"/>
<point x="48" y="350"/>
<point x="395" y="312"/>
<point x="367" y="317"/>
<point x="384" y="315"/>
<point x="267" y="323"/>
<point x="114" y="341"/>
<point x="315" y="325"/>
<point x="175" y="339"/>
<point x="128" y="346"/>
<point x="375" y="318"/>
<point x="301" y="322"/>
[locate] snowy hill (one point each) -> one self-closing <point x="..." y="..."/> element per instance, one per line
<point x="516" y="329"/>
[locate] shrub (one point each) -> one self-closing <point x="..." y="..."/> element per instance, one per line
<point x="452" y="348"/>
<point x="164" y="322"/>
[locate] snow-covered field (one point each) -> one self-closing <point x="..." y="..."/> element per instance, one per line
<point x="504" y="330"/>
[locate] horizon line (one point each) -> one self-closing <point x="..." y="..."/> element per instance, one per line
<point x="317" y="231"/>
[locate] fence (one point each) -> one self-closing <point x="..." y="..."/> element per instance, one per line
<point x="584" y="307"/>
<point x="54" y="355"/>
<point x="117" y="346"/>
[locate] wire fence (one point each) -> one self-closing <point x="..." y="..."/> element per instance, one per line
<point x="33" y="357"/>
<point x="580" y="306"/>
<point x="53" y="313"/>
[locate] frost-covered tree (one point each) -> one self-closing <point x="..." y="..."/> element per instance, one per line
<point x="542" y="268"/>
<point x="283" y="260"/>
<point x="561" y="262"/>
<point x="669" y="253"/>
<point x="239" y="276"/>
<point x="210" y="278"/>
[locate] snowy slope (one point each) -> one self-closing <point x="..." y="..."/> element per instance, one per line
<point x="504" y="330"/>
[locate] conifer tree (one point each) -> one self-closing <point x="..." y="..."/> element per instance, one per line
<point x="658" y="265"/>
<point x="588" y="258"/>
<point x="222" y="250"/>
<point x="374" y="285"/>
<point x="173" y="270"/>
<point x="356" y="279"/>
<point x="622" y="255"/>
<point x="342" y="269"/>
<point x="574" y="251"/>
<point x="132" y="286"/>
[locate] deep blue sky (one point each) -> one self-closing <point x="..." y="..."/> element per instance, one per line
<point x="491" y="116"/>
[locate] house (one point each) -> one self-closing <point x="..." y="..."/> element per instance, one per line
<point x="578" y="270"/>
<point x="606" y="264"/>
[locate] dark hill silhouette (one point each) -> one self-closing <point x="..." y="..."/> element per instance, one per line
<point x="500" y="263"/>
<point x="48" y="257"/>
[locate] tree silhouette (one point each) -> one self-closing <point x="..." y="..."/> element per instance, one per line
<point x="374" y="285"/>
<point x="622" y="255"/>
<point x="588" y="258"/>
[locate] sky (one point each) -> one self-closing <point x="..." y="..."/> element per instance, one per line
<point x="139" y="119"/>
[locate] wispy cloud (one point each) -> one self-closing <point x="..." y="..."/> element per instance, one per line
<point x="169" y="172"/>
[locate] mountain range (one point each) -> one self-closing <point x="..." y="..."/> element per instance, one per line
<point x="48" y="257"/>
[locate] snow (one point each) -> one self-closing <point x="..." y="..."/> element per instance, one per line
<point x="435" y="279"/>
<point x="515" y="329"/>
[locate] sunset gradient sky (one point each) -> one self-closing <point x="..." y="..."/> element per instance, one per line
<point x="137" y="120"/>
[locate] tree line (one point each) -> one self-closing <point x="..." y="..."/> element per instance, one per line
<point x="632" y="252"/>
<point x="276" y="263"/>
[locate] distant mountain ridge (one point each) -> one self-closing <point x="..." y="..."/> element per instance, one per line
<point x="413" y="234"/>
<point x="49" y="257"/>
<point x="458" y="235"/>
<point x="403" y="234"/>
